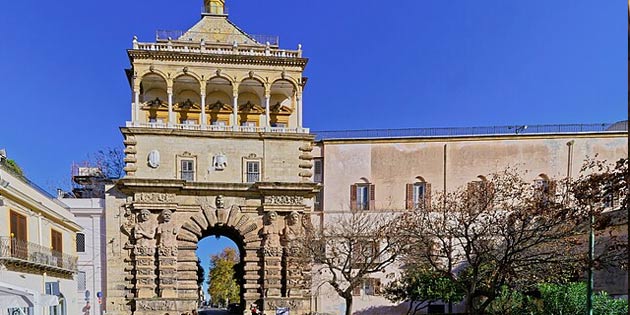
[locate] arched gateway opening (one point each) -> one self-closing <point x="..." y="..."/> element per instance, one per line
<point x="217" y="250"/>
<point x="233" y="223"/>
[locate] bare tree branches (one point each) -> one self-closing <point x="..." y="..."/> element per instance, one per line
<point x="501" y="232"/>
<point x="355" y="246"/>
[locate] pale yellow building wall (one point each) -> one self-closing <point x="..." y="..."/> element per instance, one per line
<point x="390" y="164"/>
<point x="279" y="158"/>
<point x="42" y="214"/>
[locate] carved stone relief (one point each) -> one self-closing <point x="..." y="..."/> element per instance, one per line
<point x="154" y="159"/>
<point x="219" y="162"/>
<point x="284" y="200"/>
<point x="154" y="197"/>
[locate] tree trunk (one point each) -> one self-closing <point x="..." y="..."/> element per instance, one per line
<point x="348" y="305"/>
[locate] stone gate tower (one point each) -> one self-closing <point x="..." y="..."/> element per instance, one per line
<point x="215" y="146"/>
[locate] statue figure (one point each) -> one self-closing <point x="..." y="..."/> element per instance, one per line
<point x="293" y="230"/>
<point x="271" y="233"/>
<point x="167" y="230"/>
<point x="144" y="233"/>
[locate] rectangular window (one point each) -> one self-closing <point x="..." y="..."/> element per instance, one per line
<point x="419" y="190"/>
<point x="56" y="245"/>
<point x="248" y="123"/>
<point x="217" y="123"/>
<point x="18" y="226"/>
<point x="279" y="125"/>
<point x="545" y="191"/>
<point x="362" y="197"/>
<point x="372" y="286"/>
<point x="80" y="243"/>
<point x="19" y="239"/>
<point x="188" y="170"/>
<point x="81" y="281"/>
<point x="253" y="171"/>
<point x="318" y="170"/>
<point x="319" y="201"/>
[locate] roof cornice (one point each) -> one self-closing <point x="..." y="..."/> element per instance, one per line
<point x="216" y="58"/>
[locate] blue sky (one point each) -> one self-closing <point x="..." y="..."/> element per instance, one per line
<point x="418" y="63"/>
<point x="209" y="246"/>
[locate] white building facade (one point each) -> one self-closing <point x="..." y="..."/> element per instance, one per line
<point x="91" y="252"/>
<point x="38" y="262"/>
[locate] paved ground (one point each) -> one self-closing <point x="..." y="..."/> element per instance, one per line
<point x="213" y="311"/>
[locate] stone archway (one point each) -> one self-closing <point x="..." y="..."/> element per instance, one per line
<point x="165" y="228"/>
<point x="242" y="228"/>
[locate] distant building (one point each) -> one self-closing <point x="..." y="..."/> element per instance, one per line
<point x="38" y="261"/>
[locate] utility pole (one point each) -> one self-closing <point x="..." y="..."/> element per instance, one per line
<point x="591" y="252"/>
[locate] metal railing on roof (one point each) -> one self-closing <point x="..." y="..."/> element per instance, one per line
<point x="469" y="131"/>
<point x="215" y="37"/>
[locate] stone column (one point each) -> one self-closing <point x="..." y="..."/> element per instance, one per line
<point x="170" y="106"/>
<point x="203" y="105"/>
<point x="267" y="111"/>
<point x="299" y="108"/>
<point x="235" y="107"/>
<point x="135" y="116"/>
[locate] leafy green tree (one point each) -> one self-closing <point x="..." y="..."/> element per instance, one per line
<point x="555" y="299"/>
<point x="421" y="287"/>
<point x="222" y="284"/>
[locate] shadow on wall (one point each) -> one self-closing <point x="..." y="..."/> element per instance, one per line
<point x="384" y="310"/>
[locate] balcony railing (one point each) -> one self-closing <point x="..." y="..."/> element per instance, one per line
<point x="27" y="253"/>
<point x="161" y="125"/>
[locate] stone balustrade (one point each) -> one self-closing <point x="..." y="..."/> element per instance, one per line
<point x="161" y="125"/>
<point x="202" y="48"/>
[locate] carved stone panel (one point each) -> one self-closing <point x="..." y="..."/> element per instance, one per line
<point x="281" y="200"/>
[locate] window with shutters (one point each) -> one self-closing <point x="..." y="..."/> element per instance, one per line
<point x="253" y="171"/>
<point x="369" y="286"/>
<point x="611" y="197"/>
<point x="81" y="281"/>
<point x="365" y="252"/>
<point x="56" y="246"/>
<point x="372" y="286"/>
<point x="19" y="239"/>
<point x="80" y="243"/>
<point x="187" y="169"/>
<point x="545" y="189"/>
<point x="362" y="196"/>
<point x="481" y="191"/>
<point x="418" y="196"/>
